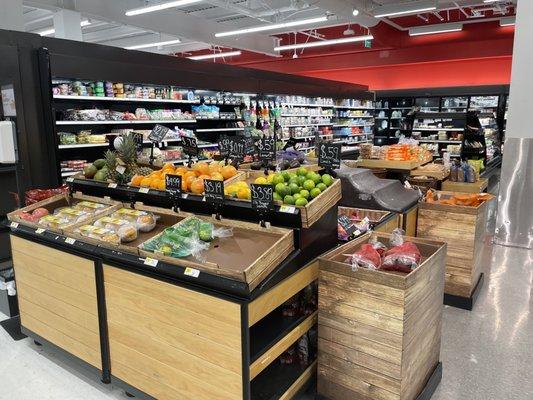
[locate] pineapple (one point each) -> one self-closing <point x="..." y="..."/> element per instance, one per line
<point x="110" y="164"/>
<point x="127" y="152"/>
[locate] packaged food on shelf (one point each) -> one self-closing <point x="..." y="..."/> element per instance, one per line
<point x="36" y="195"/>
<point x="66" y="138"/>
<point x="98" y="233"/>
<point x="125" y="229"/>
<point x="142" y="220"/>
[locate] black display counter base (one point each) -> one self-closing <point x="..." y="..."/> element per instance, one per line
<point x="465" y="303"/>
<point x="426" y="393"/>
<point x="12" y="326"/>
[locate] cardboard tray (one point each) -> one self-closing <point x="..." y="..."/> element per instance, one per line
<point x="457" y="208"/>
<point x="64" y="200"/>
<point x="248" y="256"/>
<point x="164" y="219"/>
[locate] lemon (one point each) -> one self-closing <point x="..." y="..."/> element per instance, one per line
<point x="261" y="181"/>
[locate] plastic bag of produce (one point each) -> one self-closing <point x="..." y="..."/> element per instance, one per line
<point x="403" y="256"/>
<point x="172" y="244"/>
<point x="126" y="231"/>
<point x="143" y="221"/>
<point x="53" y="221"/>
<point x="72" y="215"/>
<point x="103" y="234"/>
<point x="366" y="257"/>
<point x="89" y="206"/>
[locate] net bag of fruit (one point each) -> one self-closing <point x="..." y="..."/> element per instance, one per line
<point x="366" y="257"/>
<point x="402" y="256"/>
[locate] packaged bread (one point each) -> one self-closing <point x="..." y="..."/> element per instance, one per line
<point x="89" y="206"/>
<point x="54" y="221"/>
<point x="103" y="234"/>
<point x="124" y="229"/>
<point x="143" y="221"/>
<point x="72" y="214"/>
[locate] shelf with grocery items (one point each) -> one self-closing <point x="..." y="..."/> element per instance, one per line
<point x="131" y="122"/>
<point x="123" y="99"/>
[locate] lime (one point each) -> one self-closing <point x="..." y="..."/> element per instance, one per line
<point x="288" y="200"/>
<point x="261" y="180"/>
<point x="302" y="171"/>
<point x="327" y="179"/>
<point x="294" y="180"/>
<point x="316" y="178"/>
<point x="277" y="197"/>
<point x="305" y="194"/>
<point x="321" y="186"/>
<point x="294" y="188"/>
<point x="308" y="184"/>
<point x="280" y="189"/>
<point x="277" y="178"/>
<point x="310" y="175"/>
<point x="285" y="176"/>
<point x="315" y="192"/>
<point x="297" y="196"/>
<point x="301" y="180"/>
<point x="301" y="202"/>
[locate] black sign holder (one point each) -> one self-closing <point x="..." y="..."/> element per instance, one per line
<point x="214" y="195"/>
<point x="262" y="201"/>
<point x="157" y="135"/>
<point x="329" y="156"/>
<point x="173" y="188"/>
<point x="190" y="147"/>
<point x="267" y="151"/>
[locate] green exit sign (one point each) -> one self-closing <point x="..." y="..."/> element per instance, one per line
<point x="368" y="44"/>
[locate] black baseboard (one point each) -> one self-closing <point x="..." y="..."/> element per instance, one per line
<point x="465" y="303"/>
<point x="12" y="326"/>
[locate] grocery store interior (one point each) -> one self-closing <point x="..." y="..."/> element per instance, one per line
<point x="266" y="199"/>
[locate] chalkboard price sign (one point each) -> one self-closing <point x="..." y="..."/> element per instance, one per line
<point x="138" y="138"/>
<point x="262" y="197"/>
<point x="173" y="184"/>
<point x="224" y="145"/>
<point x="267" y="148"/>
<point x="214" y="191"/>
<point x="347" y="224"/>
<point x="189" y="146"/>
<point x="158" y="133"/>
<point x="237" y="147"/>
<point x="329" y="155"/>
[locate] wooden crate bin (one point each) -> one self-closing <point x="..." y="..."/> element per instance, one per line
<point x="64" y="200"/>
<point x="248" y="256"/>
<point x="381" y="221"/>
<point x="463" y="229"/>
<point x="164" y="219"/>
<point x="379" y="332"/>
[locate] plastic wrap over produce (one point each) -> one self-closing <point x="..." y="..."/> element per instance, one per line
<point x="10" y="287"/>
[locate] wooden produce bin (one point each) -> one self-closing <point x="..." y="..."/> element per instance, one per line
<point x="380" y="221"/>
<point x="380" y="332"/>
<point x="466" y="187"/>
<point x="408" y="220"/>
<point x="462" y="228"/>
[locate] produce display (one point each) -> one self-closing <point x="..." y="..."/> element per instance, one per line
<point x="140" y="114"/>
<point x="402" y="256"/>
<point x="461" y="171"/>
<point x="192" y="179"/>
<point x="36" y="195"/>
<point x="456" y="199"/>
<point x="285" y="159"/>
<point x="189" y="237"/>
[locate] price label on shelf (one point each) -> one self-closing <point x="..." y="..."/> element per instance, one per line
<point x="173" y="184"/>
<point x="329" y="155"/>
<point x="158" y="133"/>
<point x="120" y="169"/>
<point x="214" y="191"/>
<point x="70" y="179"/>
<point x="288" y="209"/>
<point x="150" y="261"/>
<point x="112" y="186"/>
<point x="191" y="272"/>
<point x="40" y="231"/>
<point x="70" y="240"/>
<point x="189" y="146"/>
<point x="144" y="190"/>
<point x="262" y="197"/>
<point x="14" y="225"/>
<point x="267" y="148"/>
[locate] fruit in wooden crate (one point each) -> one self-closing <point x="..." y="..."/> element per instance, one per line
<point x="297" y="188"/>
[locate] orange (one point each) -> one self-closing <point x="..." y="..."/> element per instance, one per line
<point x="161" y="185"/>
<point x="188" y="181"/>
<point x="204" y="177"/>
<point x="189" y="174"/>
<point x="155" y="183"/>
<point x="136" y="180"/>
<point x="201" y="168"/>
<point x="214" y="167"/>
<point x="168" y="166"/>
<point x="228" y="171"/>
<point x="180" y="171"/>
<point x="197" y="186"/>
<point x="146" y="182"/>
<point x="217" y="176"/>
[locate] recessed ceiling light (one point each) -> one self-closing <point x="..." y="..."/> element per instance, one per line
<point x="156" y="44"/>
<point x="405" y="8"/>
<point x="355" y="12"/>
<point x="324" y="43"/>
<point x="216" y="55"/>
<point x="159" y="7"/>
<point x="271" y="27"/>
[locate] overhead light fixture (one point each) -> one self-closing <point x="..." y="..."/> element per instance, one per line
<point x="159" y="7"/>
<point x="157" y="44"/>
<point x="51" y="31"/>
<point x="491" y="1"/>
<point x="324" y="43"/>
<point x="507" y="21"/>
<point x="405" y="9"/>
<point x="355" y="12"/>
<point x="215" y="55"/>
<point x="271" y="27"/>
<point x="435" y="29"/>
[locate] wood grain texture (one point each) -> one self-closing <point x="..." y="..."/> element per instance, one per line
<point x="382" y="342"/>
<point x="466" y="187"/>
<point x="321" y="204"/>
<point x="194" y="351"/>
<point x="293" y="390"/>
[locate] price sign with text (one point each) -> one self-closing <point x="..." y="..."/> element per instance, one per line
<point x="173" y="184"/>
<point x="347" y="224"/>
<point x="329" y="155"/>
<point x="249" y="146"/>
<point x="267" y="148"/>
<point x="158" y="133"/>
<point x="224" y="145"/>
<point x="214" y="191"/>
<point x="237" y="147"/>
<point x="262" y="197"/>
<point x="189" y="146"/>
<point x="138" y="138"/>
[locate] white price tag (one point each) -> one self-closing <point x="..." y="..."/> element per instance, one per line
<point x="287" y="209"/>
<point x="184" y="195"/>
<point x="71" y="179"/>
<point x="40" y="231"/>
<point x="70" y="240"/>
<point x="14" y="225"/>
<point x="150" y="261"/>
<point x="112" y="185"/>
<point x="144" y="190"/>
<point x="192" y="272"/>
<point x="120" y="169"/>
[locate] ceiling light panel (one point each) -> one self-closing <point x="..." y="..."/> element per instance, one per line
<point x="324" y="43"/>
<point x="51" y="31"/>
<point x="271" y="27"/>
<point x="159" y="7"/>
<point x="156" y="44"/>
<point x="405" y="9"/>
<point x="215" y="55"/>
<point x="435" y="29"/>
<point x="507" y="21"/>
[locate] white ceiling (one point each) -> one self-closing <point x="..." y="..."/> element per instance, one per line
<point x="196" y="24"/>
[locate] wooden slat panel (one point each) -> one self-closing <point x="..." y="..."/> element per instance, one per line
<point x="67" y="275"/>
<point x="276" y="296"/>
<point x="175" y="358"/>
<point x="299" y="383"/>
<point x="62" y="340"/>
<point x="53" y="256"/>
<point x="224" y="357"/>
<point x="71" y="313"/>
<point x="275" y="351"/>
<point x="155" y="306"/>
<point x="172" y="294"/>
